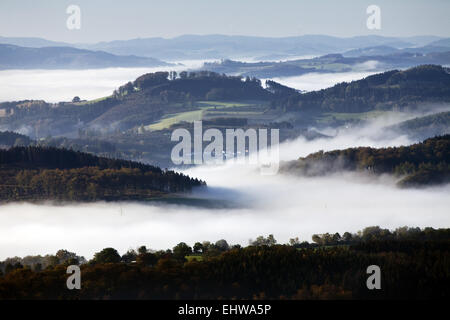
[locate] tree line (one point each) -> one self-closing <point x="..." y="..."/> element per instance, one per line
<point x="423" y="163"/>
<point x="384" y="91"/>
<point x="42" y="173"/>
<point x="414" y="264"/>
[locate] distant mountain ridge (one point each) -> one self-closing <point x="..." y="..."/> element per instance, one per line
<point x="387" y="50"/>
<point x="15" y="57"/>
<point x="379" y="58"/>
<point x="441" y="42"/>
<point x="225" y="46"/>
<point x="32" y="42"/>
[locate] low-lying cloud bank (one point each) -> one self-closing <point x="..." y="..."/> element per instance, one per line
<point x="63" y="85"/>
<point x="282" y="205"/>
<point x="318" y="81"/>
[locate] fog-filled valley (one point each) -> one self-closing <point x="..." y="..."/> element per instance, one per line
<point x="245" y="205"/>
<point x="238" y="203"/>
<point x="220" y="159"/>
<point x="63" y="85"/>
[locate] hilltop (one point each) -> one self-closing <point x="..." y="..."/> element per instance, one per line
<point x="420" y="164"/>
<point x="141" y="102"/>
<point x="16" y="57"/>
<point x="391" y="90"/>
<point x="41" y="173"/>
<point x="419" y="128"/>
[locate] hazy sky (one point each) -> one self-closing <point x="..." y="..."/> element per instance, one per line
<point x="103" y="20"/>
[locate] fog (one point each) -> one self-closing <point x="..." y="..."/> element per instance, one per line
<point x="285" y="206"/>
<point x="63" y="85"/>
<point x="317" y="81"/>
<point x="274" y="58"/>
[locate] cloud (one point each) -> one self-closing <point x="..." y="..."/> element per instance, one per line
<point x="282" y="205"/>
<point x="258" y="205"/>
<point x="63" y="85"/>
<point x="317" y="81"/>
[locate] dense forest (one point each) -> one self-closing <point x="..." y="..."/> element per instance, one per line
<point x="65" y="57"/>
<point x="419" y="164"/>
<point x="42" y="173"/>
<point x="427" y="126"/>
<point x="11" y="139"/>
<point x="414" y="264"/>
<point x="201" y="85"/>
<point x="384" y="91"/>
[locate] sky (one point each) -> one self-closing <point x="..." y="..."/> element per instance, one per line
<point x="103" y="20"/>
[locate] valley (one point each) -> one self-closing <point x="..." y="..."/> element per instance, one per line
<point x="220" y="158"/>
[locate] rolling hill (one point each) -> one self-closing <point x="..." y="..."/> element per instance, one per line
<point x="379" y="58"/>
<point x="419" y="128"/>
<point x="15" y="57"/>
<point x="148" y="99"/>
<point x="217" y="46"/>
<point x="421" y="164"/>
<point x="225" y="46"/>
<point x="136" y="121"/>
<point x="391" y="90"/>
<point x="39" y="173"/>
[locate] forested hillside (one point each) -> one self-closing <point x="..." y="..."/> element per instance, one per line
<point x="424" y="127"/>
<point x="136" y="120"/>
<point x="414" y="264"/>
<point x="155" y="96"/>
<point x="144" y="101"/>
<point x="10" y="139"/>
<point x="38" y="173"/>
<point x="423" y="163"/>
<point x="385" y="91"/>
<point x="378" y="58"/>
<point x="64" y="57"/>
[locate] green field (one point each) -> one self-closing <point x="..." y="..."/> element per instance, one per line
<point x="207" y="109"/>
<point x="171" y="119"/>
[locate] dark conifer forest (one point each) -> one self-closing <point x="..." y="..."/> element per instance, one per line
<point x="41" y="173"/>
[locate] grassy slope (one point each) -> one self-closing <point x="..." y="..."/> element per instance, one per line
<point x="208" y="108"/>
